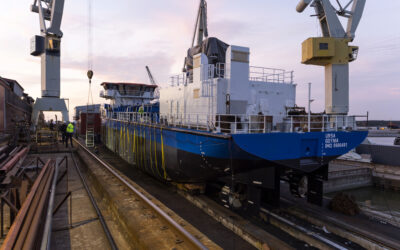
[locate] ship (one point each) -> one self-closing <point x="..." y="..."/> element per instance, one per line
<point x="225" y="123"/>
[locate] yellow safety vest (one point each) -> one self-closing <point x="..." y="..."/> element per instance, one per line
<point x="70" y="128"/>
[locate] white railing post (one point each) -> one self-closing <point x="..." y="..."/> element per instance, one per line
<point x="219" y="123"/>
<point x="336" y="126"/>
<point x="234" y="125"/>
<point x="249" y="128"/>
<point x="291" y="124"/>
<point x="265" y="125"/>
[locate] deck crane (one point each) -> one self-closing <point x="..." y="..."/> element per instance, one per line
<point x="153" y="81"/>
<point x="47" y="46"/>
<point x="332" y="50"/>
<point x="200" y="28"/>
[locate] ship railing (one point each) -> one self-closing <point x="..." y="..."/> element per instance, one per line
<point x="272" y="75"/>
<point x="239" y="124"/>
<point x="141" y="94"/>
<point x="318" y="123"/>
<point x="259" y="74"/>
<point x="181" y="79"/>
<point x="119" y="93"/>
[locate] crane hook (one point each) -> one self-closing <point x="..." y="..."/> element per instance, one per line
<point x="90" y="75"/>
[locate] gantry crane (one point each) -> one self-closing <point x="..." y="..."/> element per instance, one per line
<point x="48" y="46"/>
<point x="332" y="50"/>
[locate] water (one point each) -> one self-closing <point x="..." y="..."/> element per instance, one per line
<point x="380" y="200"/>
<point x="388" y="141"/>
<point x="383" y="201"/>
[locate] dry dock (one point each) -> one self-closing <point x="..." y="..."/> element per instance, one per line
<point x="92" y="199"/>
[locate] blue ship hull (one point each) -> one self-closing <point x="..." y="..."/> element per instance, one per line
<point x="187" y="156"/>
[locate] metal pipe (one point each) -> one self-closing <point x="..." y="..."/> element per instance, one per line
<point x="24" y="231"/>
<point x="11" y="163"/>
<point x="18" y="223"/>
<point x="15" y="150"/>
<point x="3" y="148"/>
<point x="158" y="210"/>
<point x="49" y="217"/>
<point x="34" y="228"/>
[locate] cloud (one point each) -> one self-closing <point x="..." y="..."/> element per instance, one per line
<point x="125" y="68"/>
<point x="395" y="91"/>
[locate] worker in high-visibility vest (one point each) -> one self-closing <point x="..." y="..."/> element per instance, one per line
<point x="69" y="134"/>
<point x="141" y="111"/>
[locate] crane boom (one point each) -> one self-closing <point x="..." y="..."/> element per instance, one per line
<point x="52" y="11"/>
<point x="201" y="29"/>
<point x="152" y="80"/>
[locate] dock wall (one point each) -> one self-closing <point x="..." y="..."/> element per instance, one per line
<point x="380" y="154"/>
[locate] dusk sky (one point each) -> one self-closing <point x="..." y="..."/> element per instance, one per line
<point x="130" y="34"/>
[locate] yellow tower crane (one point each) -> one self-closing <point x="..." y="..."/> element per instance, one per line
<point x="332" y="50"/>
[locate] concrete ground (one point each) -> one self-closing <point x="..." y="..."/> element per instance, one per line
<point x="75" y="225"/>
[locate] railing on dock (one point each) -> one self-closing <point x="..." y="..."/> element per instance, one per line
<point x="241" y="124"/>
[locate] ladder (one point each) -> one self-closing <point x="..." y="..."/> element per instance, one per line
<point x="90" y="120"/>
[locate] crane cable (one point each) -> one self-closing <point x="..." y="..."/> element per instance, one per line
<point x="90" y="115"/>
<point x="90" y="53"/>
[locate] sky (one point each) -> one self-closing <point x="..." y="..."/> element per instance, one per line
<point x="130" y="34"/>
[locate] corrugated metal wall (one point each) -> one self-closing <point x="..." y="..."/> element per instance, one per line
<point x="386" y="155"/>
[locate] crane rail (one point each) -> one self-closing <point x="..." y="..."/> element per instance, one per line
<point x="173" y="224"/>
<point x="110" y="239"/>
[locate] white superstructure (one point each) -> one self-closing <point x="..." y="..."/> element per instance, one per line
<point x="128" y="94"/>
<point x="231" y="88"/>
